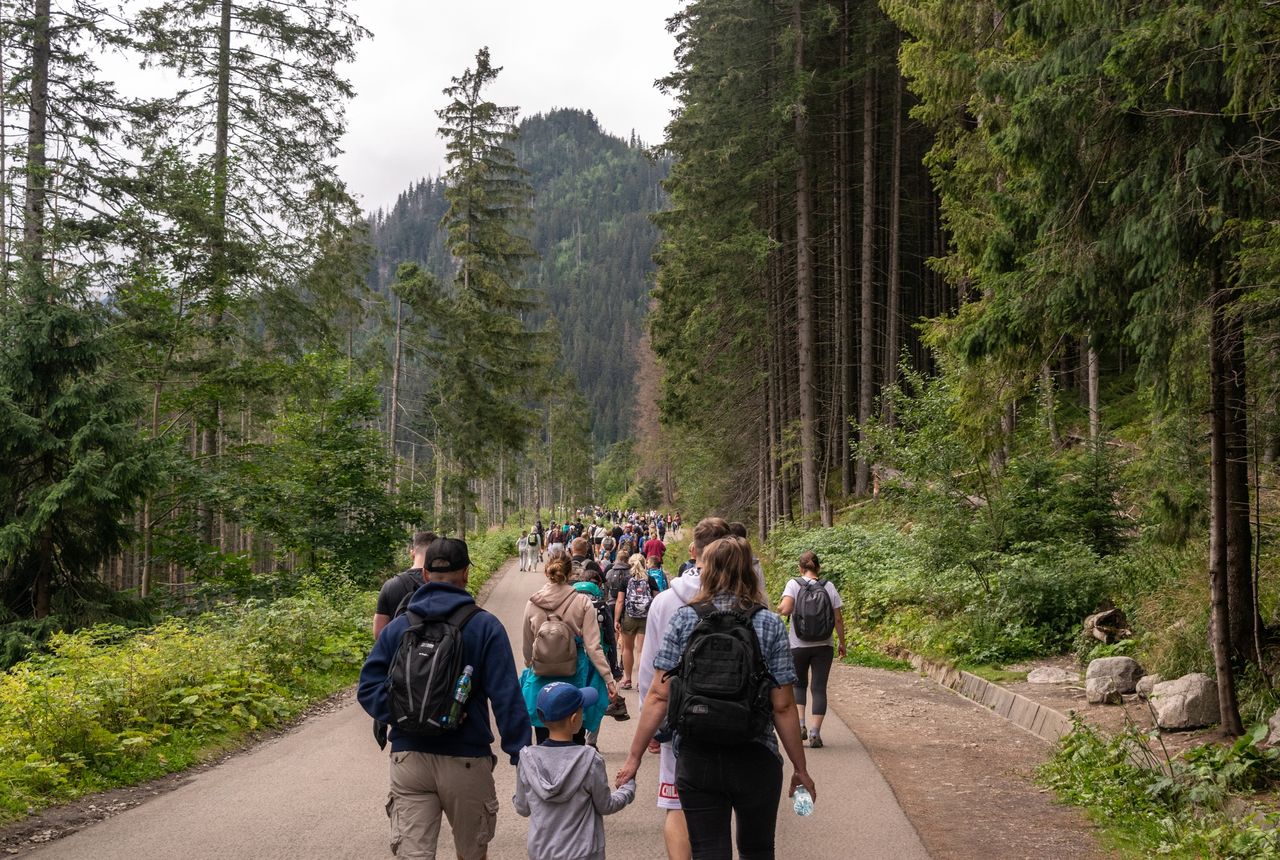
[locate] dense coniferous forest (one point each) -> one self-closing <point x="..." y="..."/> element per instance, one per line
<point x="1009" y="269"/>
<point x="592" y="231"/>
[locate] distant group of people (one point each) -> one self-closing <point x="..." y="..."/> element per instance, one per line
<point x="721" y="680"/>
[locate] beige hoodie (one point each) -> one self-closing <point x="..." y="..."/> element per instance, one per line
<point x="576" y="609"/>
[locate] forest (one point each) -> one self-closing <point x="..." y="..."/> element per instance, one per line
<point x="1009" y="269"/>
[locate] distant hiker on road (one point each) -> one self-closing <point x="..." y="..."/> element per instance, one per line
<point x="562" y="643"/>
<point x="562" y="787"/>
<point x="813" y="604"/>
<point x="522" y="547"/>
<point x="436" y="700"/>
<point x="631" y="609"/>
<point x="726" y="752"/>
<point x="397" y="588"/>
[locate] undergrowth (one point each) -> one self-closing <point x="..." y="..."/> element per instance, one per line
<point x="1148" y="804"/>
<point x="107" y="706"/>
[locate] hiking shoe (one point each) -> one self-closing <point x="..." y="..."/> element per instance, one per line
<point x="815" y="742"/>
<point x="618" y="710"/>
<point x="804" y="733"/>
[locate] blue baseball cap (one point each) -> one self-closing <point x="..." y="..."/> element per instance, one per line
<point x="558" y="700"/>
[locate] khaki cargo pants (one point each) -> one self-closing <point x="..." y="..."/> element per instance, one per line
<point x="423" y="786"/>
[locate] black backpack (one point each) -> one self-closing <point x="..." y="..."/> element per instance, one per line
<point x="814" y="618"/>
<point x="720" y="691"/>
<point x="426" y="670"/>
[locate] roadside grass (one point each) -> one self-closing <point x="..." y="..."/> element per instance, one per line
<point x="994" y="674"/>
<point x="869" y="658"/>
<point x="488" y="553"/>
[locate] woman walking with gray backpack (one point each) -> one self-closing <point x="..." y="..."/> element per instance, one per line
<point x="813" y="604"/>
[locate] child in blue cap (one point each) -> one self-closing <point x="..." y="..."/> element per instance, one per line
<point x="562" y="787"/>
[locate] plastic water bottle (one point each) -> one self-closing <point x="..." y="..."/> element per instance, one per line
<point x="461" y="693"/>
<point x="803" y="804"/>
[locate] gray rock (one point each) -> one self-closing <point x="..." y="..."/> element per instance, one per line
<point x="1052" y="675"/>
<point x="1101" y="691"/>
<point x="1190" y="702"/>
<point x="1273" y="736"/>
<point x="1145" y="685"/>
<point x="1125" y="671"/>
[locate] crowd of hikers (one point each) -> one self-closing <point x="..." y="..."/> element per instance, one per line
<point x="722" y="682"/>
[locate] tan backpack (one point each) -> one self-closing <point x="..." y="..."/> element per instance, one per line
<point x="555" y="651"/>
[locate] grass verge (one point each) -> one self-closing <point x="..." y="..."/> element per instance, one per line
<point x="109" y="707"/>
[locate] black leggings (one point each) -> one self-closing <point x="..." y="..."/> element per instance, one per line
<point x="818" y="658"/>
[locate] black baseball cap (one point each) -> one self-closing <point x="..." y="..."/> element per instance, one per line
<point x="447" y="555"/>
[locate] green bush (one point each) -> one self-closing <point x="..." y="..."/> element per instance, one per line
<point x="991" y="608"/>
<point x="488" y="552"/>
<point x="107" y="706"/>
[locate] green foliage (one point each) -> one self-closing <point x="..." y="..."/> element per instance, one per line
<point x="109" y="707"/>
<point x="1153" y="806"/>
<point x="72" y="464"/>
<point x="320" y="485"/>
<point x="488" y="553"/>
<point x="993" y="607"/>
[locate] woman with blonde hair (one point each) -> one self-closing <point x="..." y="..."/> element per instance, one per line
<point x="562" y="643"/>
<point x="726" y="768"/>
<point x="631" y="609"/>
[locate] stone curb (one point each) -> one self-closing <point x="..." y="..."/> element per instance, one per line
<point x="1040" y="720"/>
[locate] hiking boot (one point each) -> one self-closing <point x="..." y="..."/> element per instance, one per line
<point x="815" y="742"/>
<point x="618" y="710"/>
<point x="804" y="733"/>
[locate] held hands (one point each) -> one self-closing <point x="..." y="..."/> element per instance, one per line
<point x="799" y="778"/>
<point x="628" y="772"/>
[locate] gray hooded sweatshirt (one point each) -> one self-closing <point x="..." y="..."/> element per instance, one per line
<point x="564" y="792"/>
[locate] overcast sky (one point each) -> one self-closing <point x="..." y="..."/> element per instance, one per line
<point x="598" y="55"/>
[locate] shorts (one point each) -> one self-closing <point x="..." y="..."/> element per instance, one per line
<point x="423" y="786"/>
<point x="668" y="797"/>
<point x="633" y="626"/>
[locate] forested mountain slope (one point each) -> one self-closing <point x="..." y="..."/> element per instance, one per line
<point x="591" y="227"/>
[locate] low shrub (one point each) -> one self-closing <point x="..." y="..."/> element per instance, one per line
<point x="488" y="552"/>
<point x="107" y="706"/>
<point x="1148" y="805"/>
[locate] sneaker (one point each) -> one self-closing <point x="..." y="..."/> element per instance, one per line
<point x="804" y="733"/>
<point x="815" y="742"/>
<point x="618" y="710"/>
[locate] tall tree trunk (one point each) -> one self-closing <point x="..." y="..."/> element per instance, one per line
<point x="1219" y="349"/>
<point x="845" y="262"/>
<point x="867" y="288"/>
<point x="4" y="190"/>
<point x="1094" y="395"/>
<point x="892" y="339"/>
<point x="1048" y="404"/>
<point x="804" y="290"/>
<point x="394" y="422"/>
<point x="1241" y="604"/>
<point x="37" y="168"/>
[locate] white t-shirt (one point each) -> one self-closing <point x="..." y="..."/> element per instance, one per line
<point x="792" y="590"/>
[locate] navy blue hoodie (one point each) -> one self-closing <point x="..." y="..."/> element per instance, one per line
<point x="486" y="647"/>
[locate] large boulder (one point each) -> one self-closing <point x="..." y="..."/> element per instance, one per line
<point x="1124" y="671"/>
<point x="1146" y="684"/>
<point x="1107" y="626"/>
<point x="1052" y="675"/>
<point x="1101" y="691"/>
<point x="1190" y="702"/>
<point x="1273" y="736"/>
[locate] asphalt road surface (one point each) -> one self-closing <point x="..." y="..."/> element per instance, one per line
<point x="320" y="791"/>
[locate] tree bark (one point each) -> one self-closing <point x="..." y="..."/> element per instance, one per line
<point x="804" y="290"/>
<point x="1220" y="628"/>
<point x="37" y="167"/>
<point x="892" y="339"/>
<point x="394" y="421"/>
<point x="1241" y="604"/>
<point x="1094" y="384"/>
<point x="845" y="263"/>
<point x="866" y="316"/>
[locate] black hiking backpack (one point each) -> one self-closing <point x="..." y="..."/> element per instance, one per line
<point x="425" y="672"/>
<point x="814" y="618"/>
<point x="720" y="691"/>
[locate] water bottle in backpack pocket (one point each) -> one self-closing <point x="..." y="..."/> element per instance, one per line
<point x="425" y="672"/>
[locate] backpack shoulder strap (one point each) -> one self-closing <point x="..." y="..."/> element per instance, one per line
<point x="464" y="613"/>
<point x="704" y="609"/>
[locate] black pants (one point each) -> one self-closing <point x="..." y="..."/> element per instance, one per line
<point x="818" y="658"/>
<point x="541" y="733"/>
<point x="718" y="782"/>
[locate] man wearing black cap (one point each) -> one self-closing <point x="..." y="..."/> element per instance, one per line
<point x="450" y="772"/>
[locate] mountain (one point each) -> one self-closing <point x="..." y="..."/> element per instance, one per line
<point x="594" y="194"/>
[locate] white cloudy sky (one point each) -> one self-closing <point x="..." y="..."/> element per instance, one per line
<point x="601" y="55"/>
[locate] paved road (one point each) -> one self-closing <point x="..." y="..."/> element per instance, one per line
<point x="319" y="792"/>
